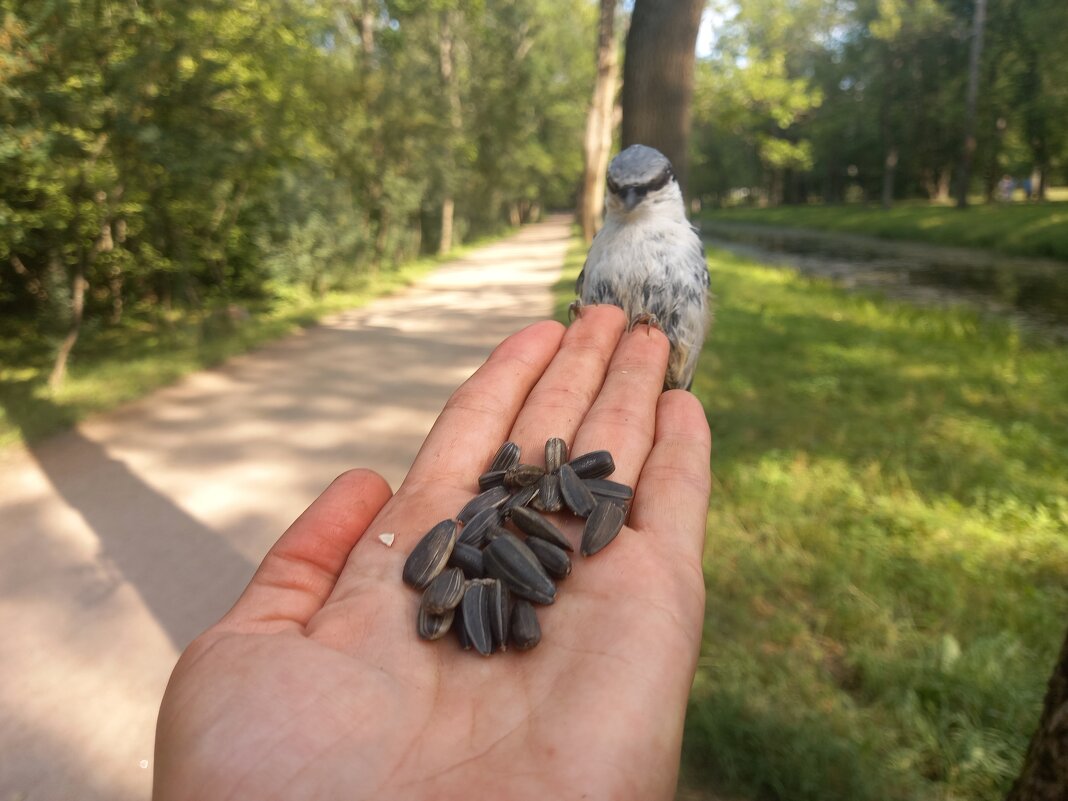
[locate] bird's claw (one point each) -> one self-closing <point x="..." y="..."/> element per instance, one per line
<point x="644" y="318"/>
<point x="574" y="311"/>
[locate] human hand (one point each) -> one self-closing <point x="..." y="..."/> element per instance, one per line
<point x="315" y="685"/>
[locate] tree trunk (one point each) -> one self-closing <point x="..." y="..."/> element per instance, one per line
<point x="658" y="78"/>
<point x="367" y="26"/>
<point x="889" y="169"/>
<point x="451" y="87"/>
<point x="598" y="141"/>
<point x="77" y="309"/>
<point x="968" y="153"/>
<point x="1044" y="776"/>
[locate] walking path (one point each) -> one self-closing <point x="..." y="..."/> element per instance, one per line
<point x="123" y="539"/>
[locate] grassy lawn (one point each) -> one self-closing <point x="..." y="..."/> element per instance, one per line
<point x="112" y="365"/>
<point x="887" y="560"/>
<point x="1021" y="229"/>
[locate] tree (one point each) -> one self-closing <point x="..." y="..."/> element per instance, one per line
<point x="968" y="149"/>
<point x="1044" y="776"/>
<point x="658" y="75"/>
<point x="597" y="142"/>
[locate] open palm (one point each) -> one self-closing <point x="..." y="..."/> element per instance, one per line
<point x="315" y="685"/>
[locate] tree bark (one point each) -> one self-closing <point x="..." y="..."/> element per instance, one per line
<point x="1044" y="776"/>
<point x="889" y="169"/>
<point x="968" y="153"/>
<point x="598" y="140"/>
<point x="658" y="78"/>
<point x="451" y="87"/>
<point x="77" y="309"/>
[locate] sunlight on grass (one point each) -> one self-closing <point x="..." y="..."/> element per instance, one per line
<point x="887" y="558"/>
<point x="114" y="365"/>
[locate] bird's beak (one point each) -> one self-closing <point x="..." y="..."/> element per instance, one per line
<point x="631" y="198"/>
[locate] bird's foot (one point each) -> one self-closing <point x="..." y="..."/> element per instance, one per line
<point x="574" y="311"/>
<point x="646" y="319"/>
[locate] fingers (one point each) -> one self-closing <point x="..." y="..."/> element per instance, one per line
<point x="671" y="496"/>
<point x="623" y="418"/>
<point x="479" y="415"/>
<point x="561" y="399"/>
<point x="301" y="569"/>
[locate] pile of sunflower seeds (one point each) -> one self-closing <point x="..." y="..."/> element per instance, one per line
<point x="481" y="578"/>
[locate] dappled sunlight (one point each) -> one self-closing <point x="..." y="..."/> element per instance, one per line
<point x="139" y="529"/>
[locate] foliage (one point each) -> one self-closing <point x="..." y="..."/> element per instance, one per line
<point x="1022" y="229"/>
<point x="887" y="555"/>
<point x="822" y="99"/>
<point x="181" y="154"/>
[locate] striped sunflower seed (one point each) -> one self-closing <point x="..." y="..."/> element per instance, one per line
<point x="523" y="475"/>
<point x="507" y="456"/>
<point x="575" y="494"/>
<point x="469" y="559"/>
<point x="595" y="464"/>
<point x="491" y="479"/>
<point x="555" y="560"/>
<point x="555" y="454"/>
<point x="511" y="561"/>
<point x="443" y="594"/>
<point x="430" y="555"/>
<point x="548" y="498"/>
<point x="524" y="632"/>
<point x="535" y="525"/>
<point x="602" y="526"/>
<point x="606" y="489"/>
<point x="490" y="499"/>
<point x="474" y="531"/>
<point x="476" y="618"/>
<point x="520" y="499"/>
<point x="500" y="613"/>
<point x="434" y="627"/>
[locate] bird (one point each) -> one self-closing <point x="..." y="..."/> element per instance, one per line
<point x="648" y="259"/>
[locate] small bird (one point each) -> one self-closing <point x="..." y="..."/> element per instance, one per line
<point x="649" y="260"/>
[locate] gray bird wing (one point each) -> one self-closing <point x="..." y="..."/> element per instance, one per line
<point x="580" y="280"/>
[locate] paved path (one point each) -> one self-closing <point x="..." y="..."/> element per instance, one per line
<point x="123" y="539"/>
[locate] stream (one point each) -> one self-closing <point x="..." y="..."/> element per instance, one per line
<point x="1031" y="292"/>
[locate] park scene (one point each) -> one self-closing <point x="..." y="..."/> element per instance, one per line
<point x="246" y="247"/>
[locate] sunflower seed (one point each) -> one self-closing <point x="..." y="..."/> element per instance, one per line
<point x="431" y="553"/>
<point x="443" y="594"/>
<point x="461" y="631"/>
<point x="523" y="497"/>
<point x="554" y="560"/>
<point x="534" y="525"/>
<point x="469" y="559"/>
<point x="602" y="526"/>
<point x="595" y="464"/>
<point x="603" y="488"/>
<point x="507" y="456"/>
<point x="509" y="560"/>
<point x="476" y="616"/>
<point x="491" y="498"/>
<point x="525" y="632"/>
<point x="433" y="627"/>
<point x="474" y="532"/>
<point x="548" y="499"/>
<point x="555" y="454"/>
<point x="523" y="475"/>
<point x="490" y="479"/>
<point x="578" y="499"/>
<point x="500" y="613"/>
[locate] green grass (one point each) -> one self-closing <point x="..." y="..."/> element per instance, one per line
<point x="112" y="365"/>
<point x="1020" y="229"/>
<point x="887" y="559"/>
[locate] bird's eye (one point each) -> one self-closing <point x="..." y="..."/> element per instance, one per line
<point x="613" y="187"/>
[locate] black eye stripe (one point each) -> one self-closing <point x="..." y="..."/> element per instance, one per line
<point x="641" y="190"/>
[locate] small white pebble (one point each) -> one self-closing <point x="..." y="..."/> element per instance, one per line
<point x="387" y="538"/>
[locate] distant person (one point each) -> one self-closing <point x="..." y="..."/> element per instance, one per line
<point x="1005" y="187"/>
<point x="1026" y="186"/>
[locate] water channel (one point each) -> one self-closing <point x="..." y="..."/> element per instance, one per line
<point x="1031" y="292"/>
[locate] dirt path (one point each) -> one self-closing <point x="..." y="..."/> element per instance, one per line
<point x="122" y="540"/>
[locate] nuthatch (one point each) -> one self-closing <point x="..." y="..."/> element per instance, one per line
<point x="649" y="260"/>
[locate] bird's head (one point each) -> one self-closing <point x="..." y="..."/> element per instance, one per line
<point x="641" y="178"/>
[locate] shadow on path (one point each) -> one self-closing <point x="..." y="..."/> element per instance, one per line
<point x="154" y="544"/>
